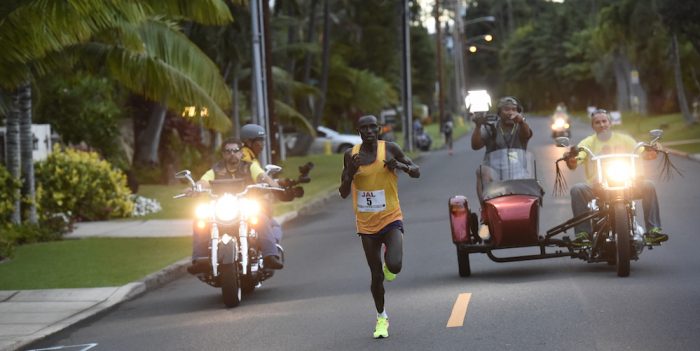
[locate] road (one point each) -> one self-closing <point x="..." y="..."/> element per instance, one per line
<point x="321" y="300"/>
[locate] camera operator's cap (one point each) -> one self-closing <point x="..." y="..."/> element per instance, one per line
<point x="509" y="100"/>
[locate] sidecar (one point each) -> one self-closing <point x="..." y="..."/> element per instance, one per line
<point x="510" y="200"/>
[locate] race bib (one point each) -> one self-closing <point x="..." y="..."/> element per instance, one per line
<point x="371" y="201"/>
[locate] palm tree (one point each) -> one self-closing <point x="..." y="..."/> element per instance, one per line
<point x="135" y="41"/>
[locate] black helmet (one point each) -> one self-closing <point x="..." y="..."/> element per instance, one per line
<point x="252" y="132"/>
<point x="509" y="100"/>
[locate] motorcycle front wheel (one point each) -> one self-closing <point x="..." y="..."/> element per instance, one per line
<point x="622" y="234"/>
<point x="230" y="284"/>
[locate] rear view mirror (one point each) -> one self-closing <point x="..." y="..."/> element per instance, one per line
<point x="186" y="174"/>
<point x="656" y="133"/>
<point x="183" y="174"/>
<point x="562" y="142"/>
<point x="272" y="169"/>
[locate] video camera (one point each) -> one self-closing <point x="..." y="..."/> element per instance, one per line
<point x="292" y="190"/>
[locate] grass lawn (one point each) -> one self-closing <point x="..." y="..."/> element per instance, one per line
<point x="91" y="262"/>
<point x="674" y="127"/>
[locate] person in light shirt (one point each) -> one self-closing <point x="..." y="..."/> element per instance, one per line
<point x="605" y="141"/>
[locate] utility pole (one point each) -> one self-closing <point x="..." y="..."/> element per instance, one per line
<point x="259" y="81"/>
<point x="406" y="91"/>
<point x="438" y="44"/>
<point x="272" y="126"/>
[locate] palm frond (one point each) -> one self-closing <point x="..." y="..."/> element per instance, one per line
<point x="164" y="42"/>
<point x="210" y="12"/>
<point x="291" y="116"/>
<point x="38" y="27"/>
<point x="156" y="80"/>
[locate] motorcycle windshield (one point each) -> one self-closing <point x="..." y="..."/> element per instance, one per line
<point x="509" y="164"/>
<point x="509" y="172"/>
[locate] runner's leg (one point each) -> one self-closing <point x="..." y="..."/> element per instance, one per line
<point x="393" y="257"/>
<point x="373" y="253"/>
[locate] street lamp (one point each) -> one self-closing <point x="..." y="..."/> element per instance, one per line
<point x="479" y="19"/>
<point x="485" y="37"/>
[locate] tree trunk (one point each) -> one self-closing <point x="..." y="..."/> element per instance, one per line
<point x="621" y="82"/>
<point x="308" y="106"/>
<point x="24" y="99"/>
<point x="678" y="77"/>
<point x="236" y="106"/>
<point x="148" y="140"/>
<point x="318" y="113"/>
<point x="12" y="141"/>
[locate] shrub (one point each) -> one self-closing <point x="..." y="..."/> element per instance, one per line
<point x="81" y="186"/>
<point x="9" y="195"/>
<point x="20" y="234"/>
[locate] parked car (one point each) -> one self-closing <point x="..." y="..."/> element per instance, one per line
<point x="299" y="144"/>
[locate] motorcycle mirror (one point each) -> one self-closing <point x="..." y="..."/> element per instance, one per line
<point x="656" y="133"/>
<point x="562" y="142"/>
<point x="183" y="174"/>
<point x="186" y="174"/>
<point x="272" y="169"/>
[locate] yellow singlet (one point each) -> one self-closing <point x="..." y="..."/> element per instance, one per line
<point x="375" y="195"/>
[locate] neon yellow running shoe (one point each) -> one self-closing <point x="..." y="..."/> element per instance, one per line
<point x="382" y="328"/>
<point x="388" y="276"/>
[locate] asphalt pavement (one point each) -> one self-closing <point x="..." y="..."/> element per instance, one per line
<point x="30" y="315"/>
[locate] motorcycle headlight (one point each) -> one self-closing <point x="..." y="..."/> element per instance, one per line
<point x="559" y="123"/>
<point x="250" y="207"/>
<point x="203" y="211"/>
<point x="226" y="208"/>
<point x="618" y="172"/>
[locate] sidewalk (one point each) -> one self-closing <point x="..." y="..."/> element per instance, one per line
<point x="27" y="316"/>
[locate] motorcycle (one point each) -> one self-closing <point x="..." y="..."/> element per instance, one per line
<point x="423" y="141"/>
<point x="511" y="202"/>
<point x="228" y="216"/>
<point x="617" y="238"/>
<point x="560" y="125"/>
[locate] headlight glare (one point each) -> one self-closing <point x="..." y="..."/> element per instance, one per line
<point x="250" y="207"/>
<point x="226" y="208"/>
<point x="203" y="211"/>
<point x="618" y="172"/>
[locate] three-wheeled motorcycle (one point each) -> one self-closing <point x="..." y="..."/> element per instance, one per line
<point x="510" y="211"/>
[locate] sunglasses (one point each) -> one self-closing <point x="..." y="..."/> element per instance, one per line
<point x="600" y="110"/>
<point x="232" y="150"/>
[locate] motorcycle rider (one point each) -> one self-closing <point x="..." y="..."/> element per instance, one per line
<point x="232" y="166"/>
<point x="253" y="137"/>
<point x="369" y="172"/>
<point x="605" y="141"/>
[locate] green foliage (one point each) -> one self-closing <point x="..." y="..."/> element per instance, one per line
<point x="80" y="108"/>
<point x="82" y="186"/>
<point x="9" y="194"/>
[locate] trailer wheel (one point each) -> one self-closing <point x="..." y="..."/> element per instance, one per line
<point x="463" y="263"/>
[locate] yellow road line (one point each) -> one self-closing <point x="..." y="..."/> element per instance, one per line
<point x="459" y="311"/>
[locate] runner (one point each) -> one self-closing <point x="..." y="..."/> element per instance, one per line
<point x="369" y="172"/>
